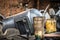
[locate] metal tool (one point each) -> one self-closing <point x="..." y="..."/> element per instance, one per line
<point x="22" y="21"/>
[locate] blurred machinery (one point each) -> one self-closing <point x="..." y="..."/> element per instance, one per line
<point x="23" y="22"/>
<point x="20" y="24"/>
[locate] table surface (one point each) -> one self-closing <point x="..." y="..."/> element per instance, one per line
<point x="56" y="34"/>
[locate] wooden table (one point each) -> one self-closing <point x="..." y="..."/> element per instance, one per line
<point x="57" y="34"/>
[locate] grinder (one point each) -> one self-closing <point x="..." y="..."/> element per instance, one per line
<point x="22" y="21"/>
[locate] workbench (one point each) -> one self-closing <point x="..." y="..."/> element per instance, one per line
<point x="56" y="34"/>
